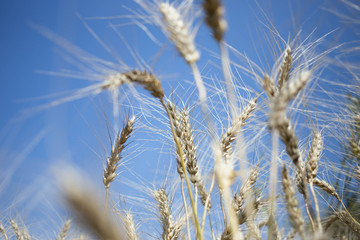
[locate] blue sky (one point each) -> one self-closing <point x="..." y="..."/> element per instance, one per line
<point x="73" y="132"/>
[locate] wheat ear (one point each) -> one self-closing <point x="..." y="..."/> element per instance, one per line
<point x="16" y="230"/>
<point x="179" y="33"/>
<point x="112" y="163"/>
<point x="176" y="122"/>
<point x="130" y="226"/>
<point x="285" y="67"/>
<point x="64" y="230"/>
<point x="214" y="18"/>
<point x="323" y="185"/>
<point x="3" y="231"/>
<point x="89" y="211"/>
<point x="144" y="78"/>
<point x="296" y="219"/>
<point x="242" y="195"/>
<point x="269" y="86"/>
<point x="170" y="230"/>
<point x="349" y="221"/>
<point x="312" y="168"/>
<point x="183" y="165"/>
<point x="230" y="135"/>
<point x="190" y="151"/>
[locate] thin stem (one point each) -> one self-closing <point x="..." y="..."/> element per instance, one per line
<point x="222" y="209"/>
<point x="106" y="202"/>
<point x="231" y="98"/>
<point x="178" y="145"/>
<point x="318" y="219"/>
<point x="207" y="202"/>
<point x="211" y="226"/>
<point x="309" y="214"/>
<point x="273" y="179"/>
<point x="186" y="212"/>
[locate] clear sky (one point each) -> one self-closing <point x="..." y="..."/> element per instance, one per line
<point x="76" y="132"/>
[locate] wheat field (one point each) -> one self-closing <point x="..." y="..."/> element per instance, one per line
<point x="195" y="120"/>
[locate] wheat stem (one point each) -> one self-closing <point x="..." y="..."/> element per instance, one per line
<point x="186" y="211"/>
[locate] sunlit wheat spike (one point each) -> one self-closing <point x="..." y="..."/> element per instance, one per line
<point x="291" y="142"/>
<point x="355" y="148"/>
<point x="250" y="182"/>
<point x="25" y="234"/>
<point x="64" y="230"/>
<point x="349" y="221"/>
<point x="179" y="33"/>
<point x="357" y="171"/>
<point x="299" y="176"/>
<point x="130" y="227"/>
<point x="3" y="231"/>
<point x="176" y="121"/>
<point x="230" y="135"/>
<point x="296" y="219"/>
<point x="326" y="187"/>
<point x="214" y="17"/>
<point x="16" y="230"/>
<point x="269" y="86"/>
<point x="148" y="80"/>
<point x="285" y="67"/>
<point x="190" y="152"/>
<point x="170" y="230"/>
<point x="314" y="156"/>
<point x="285" y="95"/>
<point x="190" y="148"/>
<point x="252" y="206"/>
<point x="89" y="211"/>
<point x="112" y="163"/>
